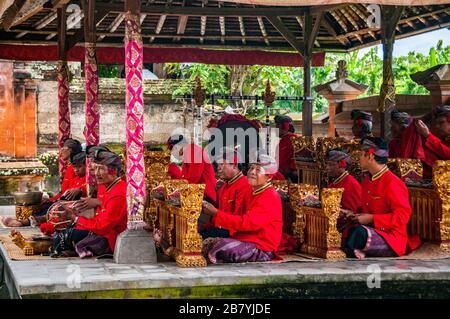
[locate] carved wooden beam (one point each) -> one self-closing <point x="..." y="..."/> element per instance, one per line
<point x="263" y="30"/>
<point x="210" y="11"/>
<point x="62" y="36"/>
<point x="11" y="13"/>
<point x="286" y="33"/>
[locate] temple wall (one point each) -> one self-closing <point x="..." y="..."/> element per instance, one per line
<point x="162" y="113"/>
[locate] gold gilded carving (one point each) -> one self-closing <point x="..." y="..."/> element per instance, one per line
<point x="281" y="186"/>
<point x="155" y="172"/>
<point x="182" y="222"/>
<point x="406" y="167"/>
<point x="24" y="212"/>
<point x="441" y="178"/>
<point x="303" y="143"/>
<point x="322" y="237"/>
<point x="30" y="247"/>
<point x="298" y="193"/>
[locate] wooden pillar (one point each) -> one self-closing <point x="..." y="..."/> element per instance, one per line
<point x="307" y="108"/>
<point x="310" y="31"/>
<point x="63" y="86"/>
<point x="390" y="15"/>
<point x="135" y="169"/>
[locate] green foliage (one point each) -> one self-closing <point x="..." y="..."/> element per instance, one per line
<point x="108" y="71"/>
<point x="50" y="159"/>
<point x="365" y="68"/>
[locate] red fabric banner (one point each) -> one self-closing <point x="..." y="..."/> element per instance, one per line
<point x="135" y="120"/>
<point x="92" y="108"/>
<point x="107" y="55"/>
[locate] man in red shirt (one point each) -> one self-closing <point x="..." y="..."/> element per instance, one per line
<point x="76" y="187"/>
<point x="197" y="167"/>
<point x="256" y="235"/>
<point x="399" y="122"/>
<point x="338" y="161"/>
<point x="97" y="235"/>
<point x="381" y="229"/>
<point x="235" y="193"/>
<point x="362" y="123"/>
<point x="286" y="161"/>
<point x="173" y="170"/>
<point x="437" y="145"/>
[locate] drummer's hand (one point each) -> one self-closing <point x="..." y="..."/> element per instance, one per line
<point x="363" y="219"/>
<point x="72" y="193"/>
<point x="209" y="209"/>
<point x="87" y="203"/>
<point x="157" y="235"/>
<point x="68" y="214"/>
<point x="421" y="128"/>
<point x="347" y="212"/>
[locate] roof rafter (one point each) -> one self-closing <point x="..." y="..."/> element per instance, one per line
<point x="286" y="33"/>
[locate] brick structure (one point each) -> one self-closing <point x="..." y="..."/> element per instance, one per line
<point x="18" y="109"/>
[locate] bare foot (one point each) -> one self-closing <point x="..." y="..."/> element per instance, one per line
<point x="11" y="222"/>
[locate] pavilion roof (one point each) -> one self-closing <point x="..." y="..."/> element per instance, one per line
<point x="234" y="24"/>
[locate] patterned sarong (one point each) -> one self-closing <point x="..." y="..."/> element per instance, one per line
<point x="228" y="250"/>
<point x="92" y="245"/>
<point x="364" y="242"/>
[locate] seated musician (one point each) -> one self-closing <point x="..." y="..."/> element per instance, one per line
<point x="437" y="142"/>
<point x="337" y="163"/>
<point x="362" y="123"/>
<point x="286" y="161"/>
<point x="256" y="235"/>
<point x="70" y="148"/>
<point x="197" y="167"/>
<point x="380" y="230"/>
<point x="173" y="169"/>
<point x="97" y="235"/>
<point x="399" y="122"/>
<point x="76" y="187"/>
<point x="93" y="202"/>
<point x="235" y="193"/>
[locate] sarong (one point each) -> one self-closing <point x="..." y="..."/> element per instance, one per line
<point x="364" y="241"/>
<point x="92" y="245"/>
<point x="229" y="250"/>
<point x="214" y="232"/>
<point x="65" y="240"/>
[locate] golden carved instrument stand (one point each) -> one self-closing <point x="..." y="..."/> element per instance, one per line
<point x="30" y="247"/>
<point x="156" y="164"/>
<point x="430" y="216"/>
<point x="316" y="227"/>
<point x="179" y="224"/>
<point x="313" y="172"/>
<point x="23" y="212"/>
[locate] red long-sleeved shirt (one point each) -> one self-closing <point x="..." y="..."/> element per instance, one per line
<point x="71" y="180"/>
<point x="351" y="198"/>
<point x="197" y="169"/>
<point x="286" y="161"/>
<point x="261" y="225"/>
<point x="234" y="198"/>
<point x="174" y="171"/>
<point x="112" y="217"/>
<point x="387" y="199"/>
